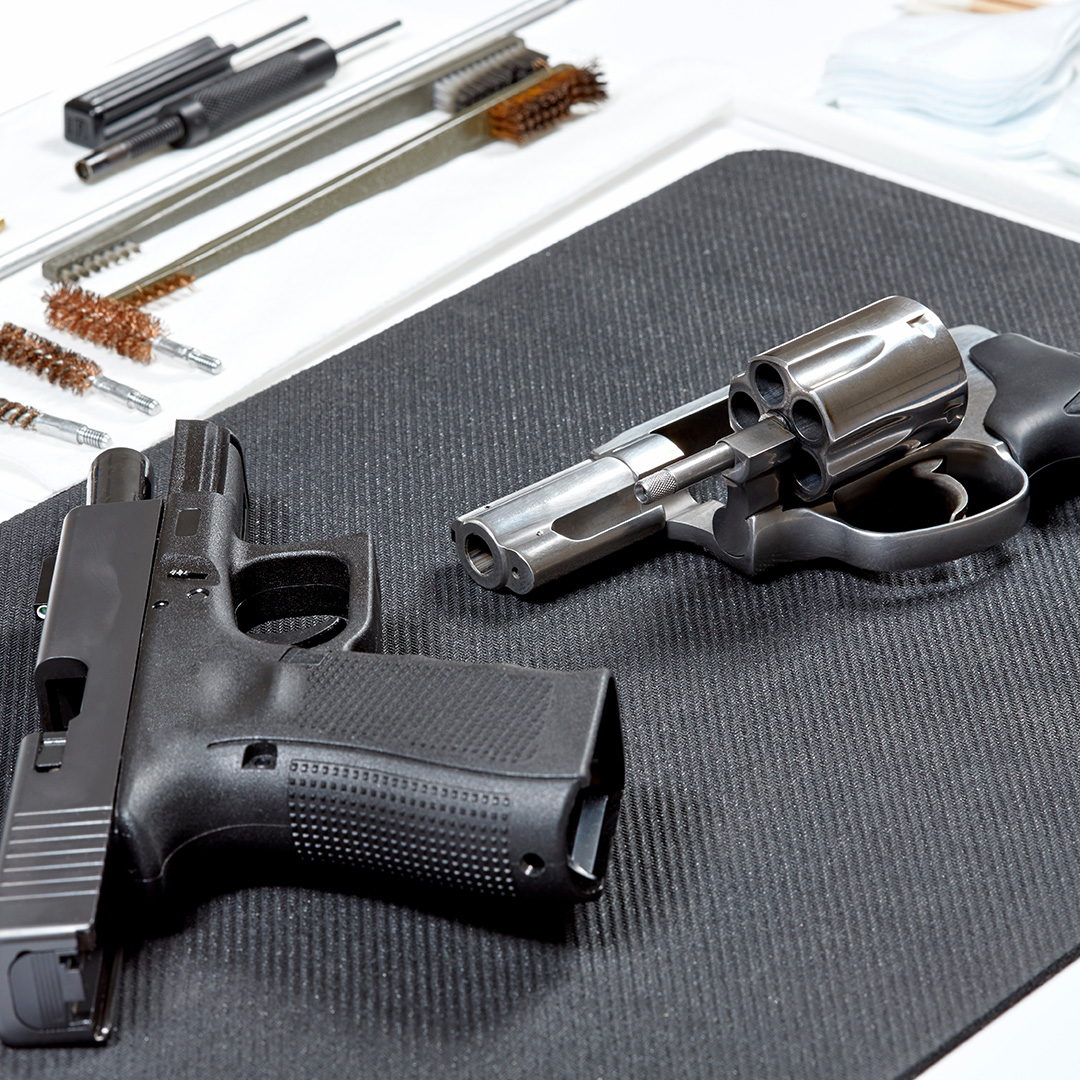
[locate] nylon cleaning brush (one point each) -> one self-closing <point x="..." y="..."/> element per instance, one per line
<point x="119" y="326"/>
<point x="65" y="368"/>
<point x="485" y="77"/>
<point x="23" y="416"/>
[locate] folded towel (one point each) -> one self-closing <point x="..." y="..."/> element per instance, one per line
<point x="1019" y="138"/>
<point x="965" y="69"/>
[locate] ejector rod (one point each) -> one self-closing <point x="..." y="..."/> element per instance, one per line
<point x="684" y="472"/>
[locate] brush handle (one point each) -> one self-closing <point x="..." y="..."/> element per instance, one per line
<point x="220" y="105"/>
<point x="257" y="89"/>
<point x="466" y="131"/>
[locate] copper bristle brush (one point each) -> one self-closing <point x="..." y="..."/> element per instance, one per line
<point x="23" y="416"/>
<point x="543" y="105"/>
<point x="65" y="368"/>
<point x="516" y="114"/>
<point x="119" y="326"/>
<point x="160" y="289"/>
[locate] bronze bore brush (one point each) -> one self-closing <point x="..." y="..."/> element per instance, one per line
<point x="65" y="368"/>
<point x="119" y="326"/>
<point x="543" y="105"/>
<point x="23" y="416"/>
<point x="516" y="114"/>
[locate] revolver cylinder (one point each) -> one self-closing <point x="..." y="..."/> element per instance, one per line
<point x="858" y="392"/>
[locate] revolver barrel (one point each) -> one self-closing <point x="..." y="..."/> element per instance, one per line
<point x="542" y="532"/>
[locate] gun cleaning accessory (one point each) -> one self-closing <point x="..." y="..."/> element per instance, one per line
<point x="119" y="326"/>
<point x="30" y="419"/>
<point x="274" y="139"/>
<point x="450" y="91"/>
<point x="473" y="82"/>
<point x="882" y="440"/>
<point x="133" y="100"/>
<point x="227" y="102"/>
<point x="202" y="696"/>
<point x="516" y="114"/>
<point x="160" y="289"/>
<point x="66" y="369"/>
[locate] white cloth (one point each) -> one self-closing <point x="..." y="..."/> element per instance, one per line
<point x="965" y="69"/>
<point x="1063" y="139"/>
<point x="1018" y="138"/>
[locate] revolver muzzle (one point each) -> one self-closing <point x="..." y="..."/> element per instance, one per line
<point x="546" y="530"/>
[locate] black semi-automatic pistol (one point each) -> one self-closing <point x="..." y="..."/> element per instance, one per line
<point x="882" y="440"/>
<point x="206" y="701"/>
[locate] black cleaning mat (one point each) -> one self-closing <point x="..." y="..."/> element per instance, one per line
<point x="850" y="832"/>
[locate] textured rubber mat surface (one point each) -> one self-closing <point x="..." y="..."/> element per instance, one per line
<point x="852" y="820"/>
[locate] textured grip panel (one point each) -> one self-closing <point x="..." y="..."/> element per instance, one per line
<point x="384" y="821"/>
<point x="459" y="714"/>
<point x="261" y="86"/>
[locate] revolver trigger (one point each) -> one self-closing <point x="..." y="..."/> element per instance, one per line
<point x="915" y="496"/>
<point x="953" y="494"/>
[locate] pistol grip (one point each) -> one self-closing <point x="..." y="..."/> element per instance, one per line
<point x="494" y="779"/>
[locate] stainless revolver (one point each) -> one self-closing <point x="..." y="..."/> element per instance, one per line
<point x="883" y="440"/>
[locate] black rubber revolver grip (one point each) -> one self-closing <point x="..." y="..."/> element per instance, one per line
<point x="1036" y="410"/>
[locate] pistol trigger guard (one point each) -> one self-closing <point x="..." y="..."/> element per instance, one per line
<point x="337" y="583"/>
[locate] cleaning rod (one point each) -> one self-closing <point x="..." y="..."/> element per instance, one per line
<point x="392" y="78"/>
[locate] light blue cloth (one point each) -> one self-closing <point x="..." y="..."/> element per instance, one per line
<point x="967" y="70"/>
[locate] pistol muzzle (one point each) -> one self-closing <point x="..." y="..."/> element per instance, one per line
<point x="119" y="475"/>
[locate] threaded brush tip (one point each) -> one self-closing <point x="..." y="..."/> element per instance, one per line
<point x="204" y="362"/>
<point x="144" y="403"/>
<point x="88" y="436"/>
<point x="164" y="346"/>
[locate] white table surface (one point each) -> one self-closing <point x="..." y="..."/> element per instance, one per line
<point x="752" y="68"/>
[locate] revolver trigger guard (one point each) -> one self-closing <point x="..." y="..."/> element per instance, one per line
<point x="910" y="497"/>
<point x="960" y="516"/>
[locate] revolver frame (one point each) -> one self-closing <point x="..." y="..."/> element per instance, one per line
<point x="755" y="521"/>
